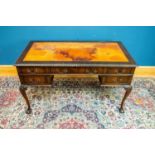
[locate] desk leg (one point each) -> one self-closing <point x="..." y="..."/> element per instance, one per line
<point x="128" y="90"/>
<point x="100" y="79"/>
<point x="23" y="92"/>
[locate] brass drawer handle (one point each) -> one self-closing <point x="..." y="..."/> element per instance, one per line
<point x="112" y="70"/>
<point x="111" y="79"/>
<point x="65" y="70"/>
<point x="114" y="80"/>
<point x="115" y="70"/>
<point x="31" y="80"/>
<point x="38" y="80"/>
<point x="87" y="70"/>
<point x="36" y="70"/>
<point x="95" y="70"/>
<point x="122" y="70"/>
<point x="30" y="70"/>
<point x="120" y="79"/>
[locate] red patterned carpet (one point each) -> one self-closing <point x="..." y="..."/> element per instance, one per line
<point x="77" y="104"/>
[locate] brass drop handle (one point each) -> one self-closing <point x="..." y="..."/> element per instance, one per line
<point x="65" y="70"/>
<point x="95" y="70"/>
<point x="30" y="70"/>
<point x="114" y="79"/>
<point x="31" y="79"/>
<point x="115" y="70"/>
<point x="38" y="80"/>
<point x="123" y="70"/>
<point x="121" y="79"/>
<point x="36" y="70"/>
<point x="87" y="70"/>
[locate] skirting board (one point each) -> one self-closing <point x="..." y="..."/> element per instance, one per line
<point x="141" y="71"/>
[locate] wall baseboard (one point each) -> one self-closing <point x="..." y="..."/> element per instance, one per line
<point x="8" y="70"/>
<point x="145" y="71"/>
<point x="141" y="71"/>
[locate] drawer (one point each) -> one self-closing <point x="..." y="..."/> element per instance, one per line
<point x="115" y="80"/>
<point x="119" y="70"/>
<point x="78" y="70"/>
<point x="33" y="70"/>
<point x="36" y="80"/>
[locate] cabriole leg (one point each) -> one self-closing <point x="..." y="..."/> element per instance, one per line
<point x="128" y="90"/>
<point x="23" y="92"/>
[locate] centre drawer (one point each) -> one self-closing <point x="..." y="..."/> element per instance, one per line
<point x="78" y="70"/>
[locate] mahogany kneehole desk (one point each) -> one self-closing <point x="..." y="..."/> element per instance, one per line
<point x="41" y="60"/>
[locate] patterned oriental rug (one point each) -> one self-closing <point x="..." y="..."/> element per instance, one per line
<point x="77" y="104"/>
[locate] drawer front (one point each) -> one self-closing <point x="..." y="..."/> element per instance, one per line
<point x="78" y="70"/>
<point x="36" y="80"/>
<point x="120" y="70"/>
<point x="34" y="70"/>
<point x="115" y="80"/>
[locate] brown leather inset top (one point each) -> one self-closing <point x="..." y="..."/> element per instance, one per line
<point x="76" y="51"/>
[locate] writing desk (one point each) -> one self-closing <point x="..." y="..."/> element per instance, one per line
<point x="41" y="60"/>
